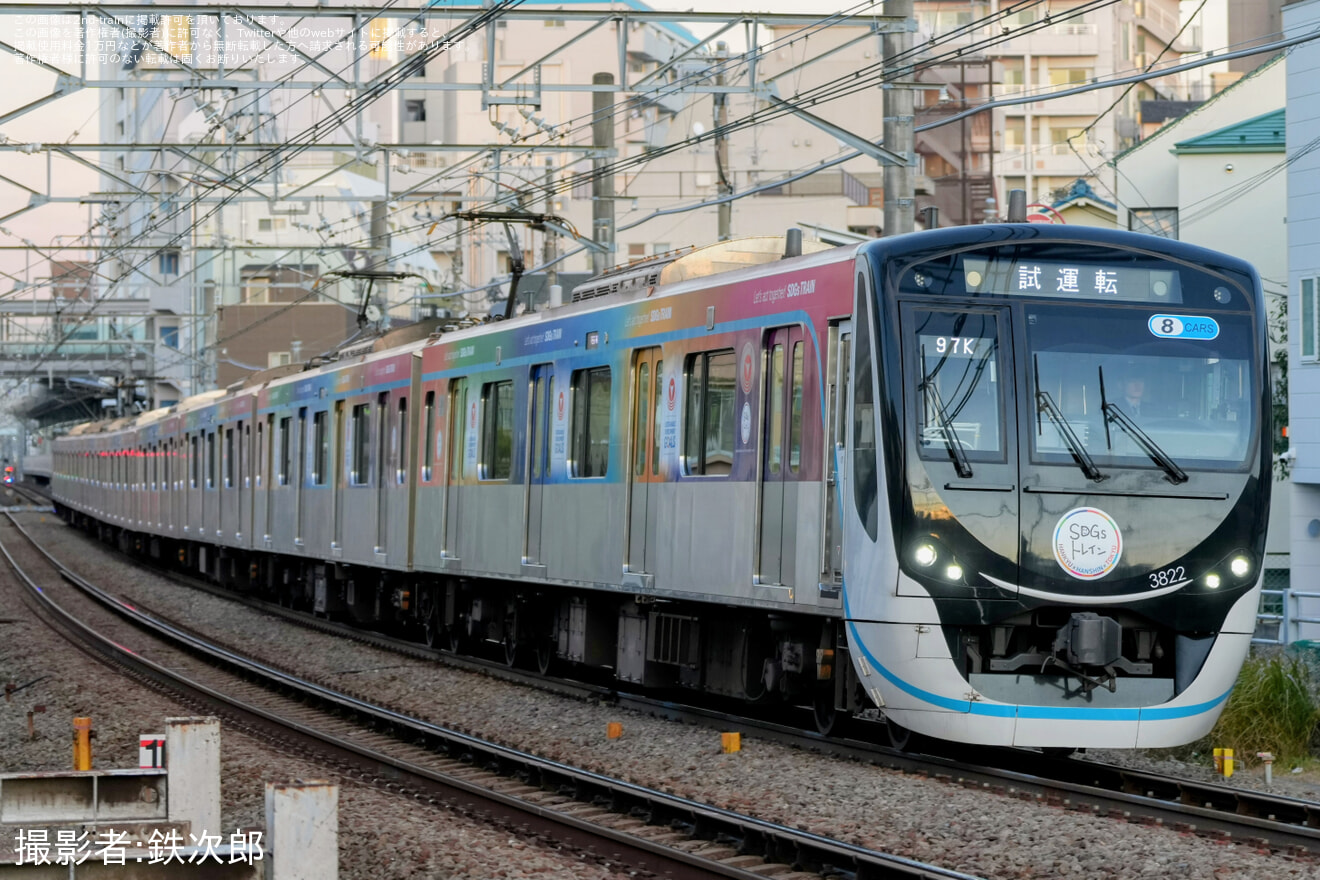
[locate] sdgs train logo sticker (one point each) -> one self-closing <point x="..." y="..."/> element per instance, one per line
<point x="1087" y="543"/>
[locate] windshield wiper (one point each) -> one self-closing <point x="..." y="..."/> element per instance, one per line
<point x="955" y="447"/>
<point x="1045" y="404"/>
<point x="1116" y="415"/>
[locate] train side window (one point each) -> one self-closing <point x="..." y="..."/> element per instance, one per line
<point x="320" y="447"/>
<point x="360" y="475"/>
<point x="212" y="461"/>
<point x="655" y="430"/>
<point x="195" y="458"/>
<point x="591" y="422"/>
<point x="496" y="431"/>
<point x="245" y="455"/>
<point x="709" y="413"/>
<point x="229" y="458"/>
<point x="795" y="410"/>
<point x="865" y="488"/>
<point x="261" y="454"/>
<point x="401" y="470"/>
<point x="428" y="438"/>
<point x="286" y="450"/>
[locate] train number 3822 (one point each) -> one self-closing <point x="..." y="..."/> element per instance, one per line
<point x="1167" y="576"/>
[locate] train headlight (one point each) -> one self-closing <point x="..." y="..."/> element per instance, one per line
<point x="925" y="555"/>
<point x="953" y="572"/>
<point x="1212" y="581"/>
<point x="1240" y="566"/>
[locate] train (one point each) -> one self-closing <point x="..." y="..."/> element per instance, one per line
<point x="1003" y="484"/>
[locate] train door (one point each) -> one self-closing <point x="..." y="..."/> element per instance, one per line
<point x="836" y="415"/>
<point x="962" y="413"/>
<point x="645" y="461"/>
<point x="384" y="452"/>
<point x="781" y="455"/>
<point x="338" y="456"/>
<point x="539" y="415"/>
<point x="456" y="471"/>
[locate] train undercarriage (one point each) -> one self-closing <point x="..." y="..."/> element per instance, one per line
<point x="744" y="654"/>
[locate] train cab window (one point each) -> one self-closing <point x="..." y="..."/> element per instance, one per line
<point x="591" y="422"/>
<point x="286" y="450"/>
<point x="401" y="470"/>
<point x="360" y="473"/>
<point x="496" y="431"/>
<point x="709" y="413"/>
<point x="428" y="438"/>
<point x="961" y="393"/>
<point x="320" y="447"/>
<point x="865" y="486"/>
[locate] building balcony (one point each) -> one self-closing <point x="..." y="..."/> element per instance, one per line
<point x="1052" y="160"/>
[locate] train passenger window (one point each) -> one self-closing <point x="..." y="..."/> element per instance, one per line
<point x="212" y="464"/>
<point x="320" y="447"/>
<point x="775" y="458"/>
<point x="229" y="458"/>
<point x="496" y="431"/>
<point x="795" y="411"/>
<point x="286" y="450"/>
<point x="428" y="438"/>
<point x="643" y="415"/>
<point x="709" y="413"/>
<point x="655" y="431"/>
<point x="196" y="459"/>
<point x="401" y="470"/>
<point x="360" y="475"/>
<point x="591" y="422"/>
<point x="261" y="454"/>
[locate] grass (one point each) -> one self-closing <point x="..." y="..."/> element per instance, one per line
<point x="1275" y="707"/>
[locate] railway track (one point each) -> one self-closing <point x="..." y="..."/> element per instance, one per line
<point x="1212" y="810"/>
<point x="607" y="820"/>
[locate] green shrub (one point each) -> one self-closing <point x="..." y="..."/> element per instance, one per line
<point x="1273" y="708"/>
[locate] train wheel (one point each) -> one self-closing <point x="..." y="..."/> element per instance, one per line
<point x="455" y="638"/>
<point x="827" y="716"/>
<point x="901" y="738"/>
<point x="431" y="628"/>
<point x="511" y="651"/>
<point x="545" y="656"/>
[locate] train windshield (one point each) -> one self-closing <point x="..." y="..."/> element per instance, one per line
<point x="1115" y="359"/>
<point x="1105" y="380"/>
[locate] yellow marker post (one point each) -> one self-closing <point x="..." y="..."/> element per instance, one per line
<point x="730" y="742"/>
<point x="1228" y="763"/>
<point x="1219" y="761"/>
<point x="613" y="730"/>
<point x="82" y="743"/>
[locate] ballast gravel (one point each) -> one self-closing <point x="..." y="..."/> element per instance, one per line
<point x="382" y="836"/>
<point x="977" y="832"/>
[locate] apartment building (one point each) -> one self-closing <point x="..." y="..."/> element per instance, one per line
<point x="1044" y="146"/>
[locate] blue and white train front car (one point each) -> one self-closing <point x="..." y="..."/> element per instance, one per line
<point x="1056" y="484"/>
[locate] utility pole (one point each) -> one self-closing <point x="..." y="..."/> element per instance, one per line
<point x="898" y="135"/>
<point x="549" y="248"/>
<point x="722" y="146"/>
<point x="380" y="247"/>
<point x="602" y="183"/>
